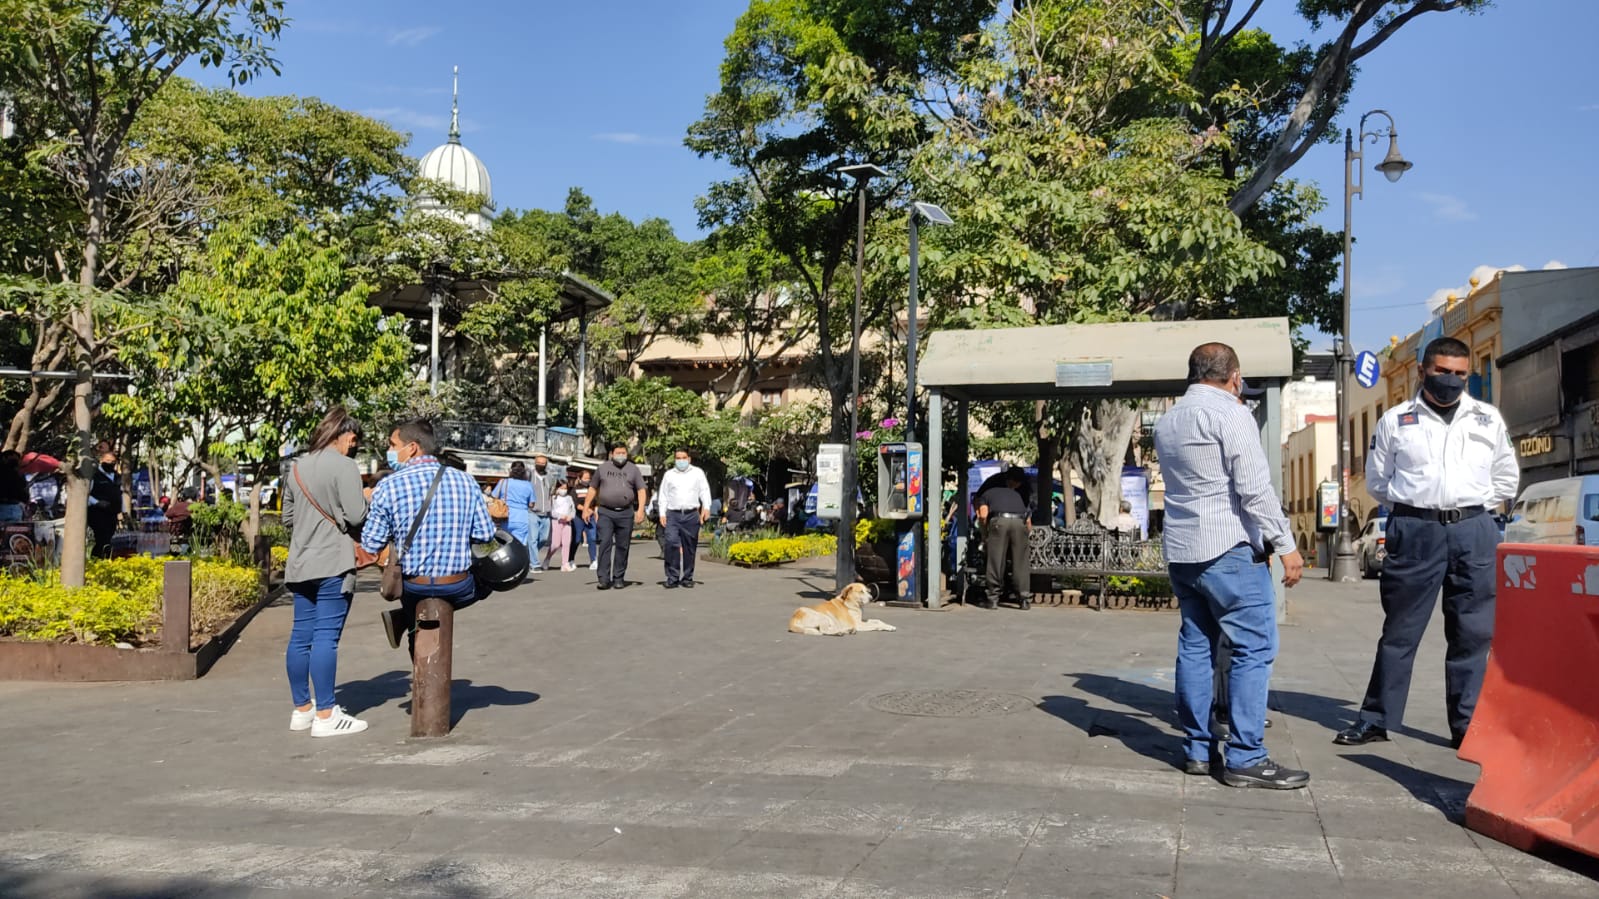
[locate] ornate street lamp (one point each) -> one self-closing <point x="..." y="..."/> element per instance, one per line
<point x="1393" y="167"/>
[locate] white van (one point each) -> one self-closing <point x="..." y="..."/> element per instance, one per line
<point x="1565" y="510"/>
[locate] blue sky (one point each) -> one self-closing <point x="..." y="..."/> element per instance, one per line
<point x="1499" y="112"/>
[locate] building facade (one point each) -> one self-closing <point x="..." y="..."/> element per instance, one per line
<point x="1551" y="371"/>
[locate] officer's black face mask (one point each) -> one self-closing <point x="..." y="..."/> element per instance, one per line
<point x="1445" y="388"/>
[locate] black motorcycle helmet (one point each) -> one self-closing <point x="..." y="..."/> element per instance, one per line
<point x="501" y="563"/>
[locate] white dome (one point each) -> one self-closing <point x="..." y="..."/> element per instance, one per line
<point x="455" y="165"/>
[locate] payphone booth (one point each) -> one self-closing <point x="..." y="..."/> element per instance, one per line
<point x="900" y="497"/>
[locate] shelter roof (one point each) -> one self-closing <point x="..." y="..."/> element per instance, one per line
<point x="1129" y="359"/>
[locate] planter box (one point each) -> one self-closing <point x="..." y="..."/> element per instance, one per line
<point x="76" y="662"/>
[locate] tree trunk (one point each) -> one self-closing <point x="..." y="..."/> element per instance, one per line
<point x="1105" y="427"/>
<point x="1067" y="495"/>
<point x="1047" y="454"/>
<point x="75" y="530"/>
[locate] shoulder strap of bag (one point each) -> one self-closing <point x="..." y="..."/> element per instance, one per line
<point x="312" y="500"/>
<point x="417" y="521"/>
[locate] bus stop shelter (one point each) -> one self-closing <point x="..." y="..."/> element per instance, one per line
<point x="1132" y="360"/>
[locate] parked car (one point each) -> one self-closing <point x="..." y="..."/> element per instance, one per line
<point x="1371" y="546"/>
<point x="1565" y="510"/>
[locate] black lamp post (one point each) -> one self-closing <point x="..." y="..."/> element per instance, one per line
<point x="1393" y="167"/>
<point x="844" y="568"/>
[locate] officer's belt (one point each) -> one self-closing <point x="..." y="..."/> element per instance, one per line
<point x="1442" y="516"/>
<point x="1010" y="514"/>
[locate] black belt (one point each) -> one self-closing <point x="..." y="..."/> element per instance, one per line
<point x="618" y="508"/>
<point x="683" y="511"/>
<point x="1442" y="516"/>
<point x="1010" y="514"/>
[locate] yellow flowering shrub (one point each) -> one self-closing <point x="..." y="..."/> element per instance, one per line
<point x="121" y="601"/>
<point x="280" y="557"/>
<point x="872" y="530"/>
<point x="782" y="549"/>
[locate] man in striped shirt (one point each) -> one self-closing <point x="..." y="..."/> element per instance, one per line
<point x="438" y="562"/>
<point x="1223" y="523"/>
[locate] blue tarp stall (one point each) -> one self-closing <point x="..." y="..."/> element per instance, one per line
<point x="1129" y="360"/>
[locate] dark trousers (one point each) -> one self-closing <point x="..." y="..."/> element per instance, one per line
<point x="616" y="535"/>
<point x="1422" y="557"/>
<point x="682" y="544"/>
<point x="1007" y="537"/>
<point x="103" y="524"/>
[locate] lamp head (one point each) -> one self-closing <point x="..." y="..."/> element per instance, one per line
<point x="861" y="172"/>
<point x="931" y="214"/>
<point x="1394" y="165"/>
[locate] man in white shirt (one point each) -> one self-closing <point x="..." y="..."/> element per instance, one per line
<point x="1441" y="463"/>
<point x="685" y="504"/>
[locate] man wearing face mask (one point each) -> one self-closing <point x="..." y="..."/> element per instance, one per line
<point x="685" y="506"/>
<point x="616" y="499"/>
<point x="105" y="502"/>
<point x="450" y="515"/>
<point x="1441" y="463"/>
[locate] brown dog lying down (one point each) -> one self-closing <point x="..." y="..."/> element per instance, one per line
<point x="836" y="617"/>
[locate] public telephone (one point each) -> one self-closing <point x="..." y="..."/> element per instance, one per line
<point x="830" y="461"/>
<point x="899" y="481"/>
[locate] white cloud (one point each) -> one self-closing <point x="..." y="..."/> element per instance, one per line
<point x="630" y="137"/>
<point x="1553" y="264"/>
<point x="410" y="37"/>
<point x="1589" y="107"/>
<point x="1386" y="281"/>
<point x="1483" y="274"/>
<point x="1449" y="208"/>
<point x="409" y="119"/>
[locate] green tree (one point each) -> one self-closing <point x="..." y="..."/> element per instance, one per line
<point x="84" y="69"/>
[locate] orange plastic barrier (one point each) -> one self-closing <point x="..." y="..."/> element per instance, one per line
<point x="1536" y="729"/>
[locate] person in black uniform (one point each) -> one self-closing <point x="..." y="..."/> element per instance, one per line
<point x="1002" y="513"/>
<point x="105" y="503"/>
<point x="1440" y="461"/>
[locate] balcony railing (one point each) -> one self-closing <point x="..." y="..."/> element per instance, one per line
<point x="489" y="437"/>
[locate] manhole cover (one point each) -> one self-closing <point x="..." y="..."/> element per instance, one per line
<point x="950" y="703"/>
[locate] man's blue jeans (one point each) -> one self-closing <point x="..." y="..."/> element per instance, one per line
<point x="320" y="607"/>
<point x="540" y="536"/>
<point x="1230" y="594"/>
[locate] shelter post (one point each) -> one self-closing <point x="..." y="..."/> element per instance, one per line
<point x="435" y="303"/>
<point x="582" y="370"/>
<point x="544" y="333"/>
<point x="933" y="548"/>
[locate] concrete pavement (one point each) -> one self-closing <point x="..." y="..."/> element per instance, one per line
<point x="680" y="743"/>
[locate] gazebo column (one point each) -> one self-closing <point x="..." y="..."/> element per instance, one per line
<point x="933" y="487"/>
<point x="435" y="304"/>
<point x="582" y="370"/>
<point x="544" y="332"/>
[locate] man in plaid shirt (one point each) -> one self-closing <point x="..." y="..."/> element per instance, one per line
<point x="439" y="560"/>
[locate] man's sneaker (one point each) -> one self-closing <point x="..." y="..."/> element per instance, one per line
<point x="594" y="565"/>
<point x="299" y="720"/>
<point x="337" y="724"/>
<point x="1267" y="775"/>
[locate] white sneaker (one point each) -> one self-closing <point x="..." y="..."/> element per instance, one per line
<point x="594" y="565"/>
<point x="337" y="724"/>
<point x="299" y="720"/>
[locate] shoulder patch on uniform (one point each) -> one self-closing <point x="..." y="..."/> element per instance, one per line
<point x="1407" y="418"/>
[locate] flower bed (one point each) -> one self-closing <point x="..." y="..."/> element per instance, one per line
<point x="781" y="549"/>
<point x="121" y="602"/>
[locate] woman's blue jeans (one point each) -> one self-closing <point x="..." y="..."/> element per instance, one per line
<point x="320" y="607"/>
<point x="1230" y="594"/>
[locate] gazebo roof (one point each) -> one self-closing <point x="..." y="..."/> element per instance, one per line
<point x="1131" y="359"/>
<point x="578" y="295"/>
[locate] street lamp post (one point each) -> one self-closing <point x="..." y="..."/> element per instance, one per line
<point x="844" y="561"/>
<point x="933" y="215"/>
<point x="1393" y="166"/>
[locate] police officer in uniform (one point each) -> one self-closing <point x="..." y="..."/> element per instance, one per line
<point x="1441" y="463"/>
<point x="1002" y="512"/>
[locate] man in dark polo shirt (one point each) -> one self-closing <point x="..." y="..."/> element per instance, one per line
<point x="617" y="497"/>
<point x="1002" y="513"/>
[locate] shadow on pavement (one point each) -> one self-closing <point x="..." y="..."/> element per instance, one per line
<point x="29" y="884"/>
<point x="1134" y="729"/>
<point x="1446" y="794"/>
<point x="1336" y="714"/>
<point x="375" y="692"/>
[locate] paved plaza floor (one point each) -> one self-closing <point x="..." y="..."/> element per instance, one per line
<point x="679" y="743"/>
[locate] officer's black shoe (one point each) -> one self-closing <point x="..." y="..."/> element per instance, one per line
<point x="1196" y="767"/>
<point x="1025" y="602"/>
<point x="671" y="585"/>
<point x="1267" y="775"/>
<point x="618" y="585"/>
<point x="687" y="583"/>
<point x="1360" y="734"/>
<point x="989" y="604"/>
<point x="1456" y="740"/>
<point x="603" y="585"/>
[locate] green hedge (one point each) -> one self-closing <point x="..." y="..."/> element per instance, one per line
<point x="121" y="601"/>
<point x="782" y="549"/>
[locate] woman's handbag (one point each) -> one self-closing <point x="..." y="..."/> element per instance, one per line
<point x="391" y="586"/>
<point x="498" y="509"/>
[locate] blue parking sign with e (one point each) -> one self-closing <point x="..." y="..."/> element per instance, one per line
<point x="1367" y="369"/>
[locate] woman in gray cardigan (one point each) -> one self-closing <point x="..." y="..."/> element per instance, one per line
<point x="323" y="508"/>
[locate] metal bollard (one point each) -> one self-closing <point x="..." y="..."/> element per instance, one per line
<point x="431" y="664"/>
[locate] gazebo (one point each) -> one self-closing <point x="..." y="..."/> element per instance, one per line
<point x="1103" y="361"/>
